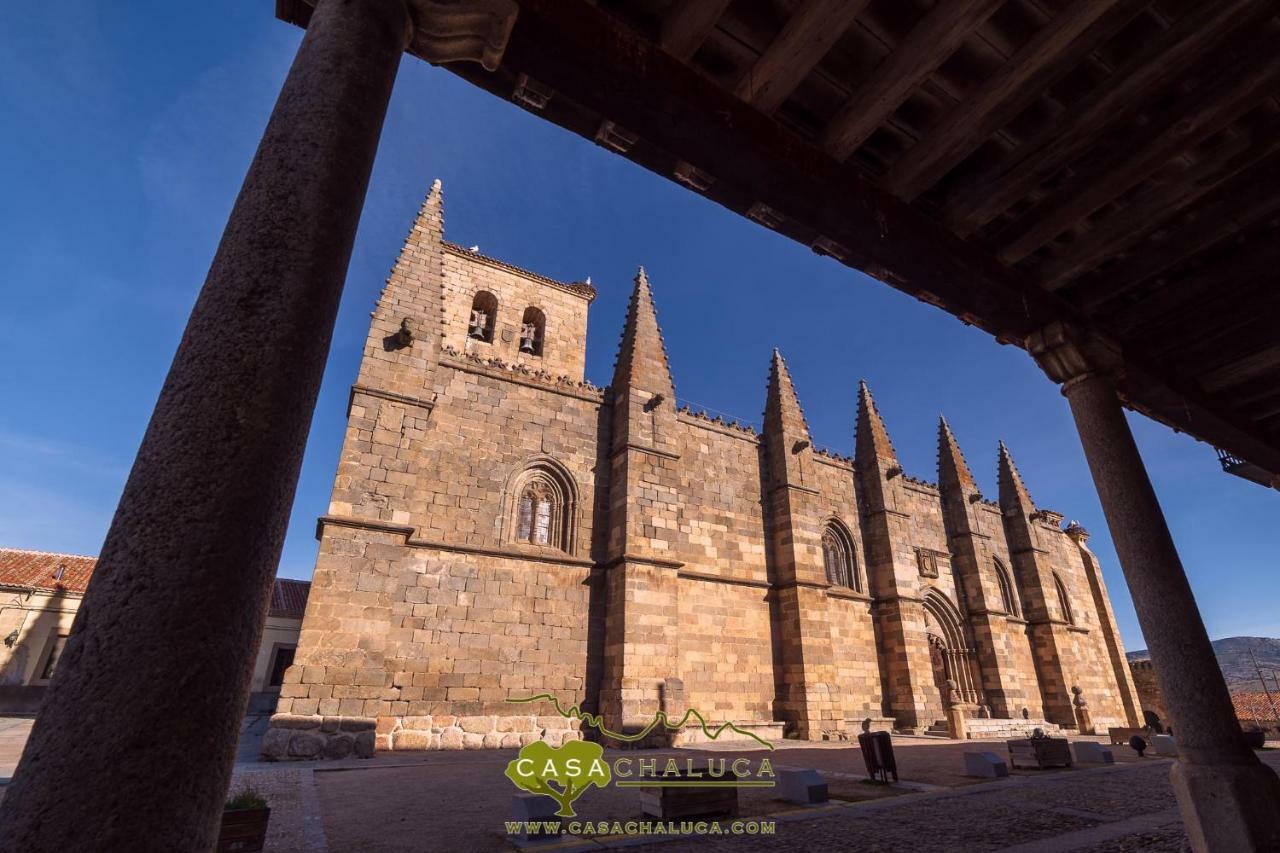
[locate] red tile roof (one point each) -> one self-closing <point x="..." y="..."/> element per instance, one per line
<point x="289" y="598"/>
<point x="43" y="570"/>
<point x="40" y="570"/>
<point x="1256" y="706"/>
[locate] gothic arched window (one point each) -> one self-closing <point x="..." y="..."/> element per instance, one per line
<point x="484" y="314"/>
<point x="537" y="506"/>
<point x="533" y="327"/>
<point x="1064" y="601"/>
<point x="545" y="501"/>
<point x="1007" y="597"/>
<point x="838" y="557"/>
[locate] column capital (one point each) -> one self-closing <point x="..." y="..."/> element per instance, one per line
<point x="1066" y="352"/>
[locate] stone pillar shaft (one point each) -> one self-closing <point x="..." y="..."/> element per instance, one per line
<point x="1229" y="800"/>
<point x="137" y="736"/>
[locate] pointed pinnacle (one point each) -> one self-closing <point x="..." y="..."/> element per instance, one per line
<point x="1013" y="492"/>
<point x="871" y="439"/>
<point x="642" y="356"/>
<point x="952" y="467"/>
<point x="435" y="196"/>
<point x="782" y="409"/>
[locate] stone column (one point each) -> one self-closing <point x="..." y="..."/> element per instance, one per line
<point x="137" y="736"/>
<point x="1229" y="800"/>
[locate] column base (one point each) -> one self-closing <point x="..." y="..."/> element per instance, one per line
<point x="1229" y="807"/>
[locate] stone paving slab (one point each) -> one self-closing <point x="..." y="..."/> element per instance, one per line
<point x="450" y="801"/>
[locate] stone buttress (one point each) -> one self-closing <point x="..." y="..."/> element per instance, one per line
<point x="641" y="660"/>
<point x="975" y="535"/>
<point x="809" y="699"/>
<point x="892" y="571"/>
<point x="1047" y="624"/>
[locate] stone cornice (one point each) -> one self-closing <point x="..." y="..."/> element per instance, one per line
<point x="519" y="374"/>
<point x="579" y="289"/>
<point x="848" y="594"/>
<point x="641" y="448"/>
<point x="842" y="463"/>
<point x="1061" y="623"/>
<point x="729" y="579"/>
<point x="922" y="486"/>
<point x="887" y="511"/>
<point x="795" y="487"/>
<point x="702" y="420"/>
<point x="896" y="597"/>
<point x="642" y="560"/>
<point x="420" y="402"/>
<point x="968" y="534"/>
<point x="407" y="531"/>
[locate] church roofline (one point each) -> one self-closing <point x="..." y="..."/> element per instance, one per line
<point x="580" y="288"/>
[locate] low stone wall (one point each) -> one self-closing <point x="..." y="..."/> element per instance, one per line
<point x="979" y="728"/>
<point x="302" y="737"/>
<point x="445" y="731"/>
<point x="766" y="729"/>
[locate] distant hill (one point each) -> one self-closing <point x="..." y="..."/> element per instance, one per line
<point x="1237" y="666"/>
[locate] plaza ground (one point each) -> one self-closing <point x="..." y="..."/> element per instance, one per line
<point x="459" y="801"/>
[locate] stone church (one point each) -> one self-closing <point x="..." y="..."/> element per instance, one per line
<point x="500" y="527"/>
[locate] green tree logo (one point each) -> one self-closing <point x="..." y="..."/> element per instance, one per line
<point x="574" y="767"/>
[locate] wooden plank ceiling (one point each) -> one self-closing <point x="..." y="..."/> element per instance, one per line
<point x="1110" y="163"/>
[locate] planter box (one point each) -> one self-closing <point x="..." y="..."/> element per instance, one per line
<point x="667" y="803"/>
<point x="243" y="831"/>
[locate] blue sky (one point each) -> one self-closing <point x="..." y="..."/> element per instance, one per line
<point x="128" y="130"/>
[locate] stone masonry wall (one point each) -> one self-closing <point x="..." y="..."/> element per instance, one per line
<point x="660" y="585"/>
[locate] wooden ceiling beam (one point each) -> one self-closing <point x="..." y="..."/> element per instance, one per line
<point x="978" y="200"/>
<point x="1222" y="379"/>
<point x="1233" y="89"/>
<point x="930" y="43"/>
<point x="1158" y="204"/>
<point x="688" y="24"/>
<point x="1183" y="295"/>
<point x="1233" y="206"/>
<point x="1233" y="339"/>
<point x="1060" y="46"/>
<point x="603" y="69"/>
<point x="804" y="40"/>
<point x="1252" y="391"/>
<point x="1191" y="337"/>
<point x="1265" y="410"/>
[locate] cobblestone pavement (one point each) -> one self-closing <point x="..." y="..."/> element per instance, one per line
<point x="458" y="801"/>
<point x="13" y="737"/>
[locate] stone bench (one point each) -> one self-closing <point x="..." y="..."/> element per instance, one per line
<point x="1040" y="752"/>
<point x="1164" y="745"/>
<point x="985" y="765"/>
<point x="1119" y="736"/>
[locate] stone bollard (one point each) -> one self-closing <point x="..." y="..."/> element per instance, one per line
<point x="533" y="809"/>
<point x="1088" y="752"/>
<point x="1164" y="745"/>
<point x="985" y="765"/>
<point x="803" y="787"/>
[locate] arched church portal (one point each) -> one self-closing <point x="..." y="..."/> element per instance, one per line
<point x="949" y="652"/>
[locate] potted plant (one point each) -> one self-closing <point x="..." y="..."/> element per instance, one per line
<point x="244" y="822"/>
